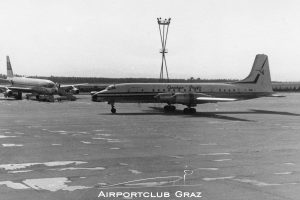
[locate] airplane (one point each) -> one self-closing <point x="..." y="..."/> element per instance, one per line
<point x="40" y="88"/>
<point x="256" y="84"/>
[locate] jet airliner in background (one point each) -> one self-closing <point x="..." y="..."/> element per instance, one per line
<point x="256" y="84"/>
<point x="33" y="86"/>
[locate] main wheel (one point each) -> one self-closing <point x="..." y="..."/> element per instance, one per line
<point x="113" y="110"/>
<point x="192" y="110"/>
<point x="186" y="111"/>
<point x="167" y="108"/>
<point x="172" y="108"/>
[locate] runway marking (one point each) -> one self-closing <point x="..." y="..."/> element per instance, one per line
<point x="103" y="134"/>
<point x="115" y="148"/>
<point x="57" y="131"/>
<point x="218" y="178"/>
<point x="209" y="169"/>
<point x="289" y="163"/>
<point x="56" y="144"/>
<point x="147" y="182"/>
<point x="213" y="154"/>
<point x="13" y="185"/>
<point x="12" y="145"/>
<point x="134" y="171"/>
<point x="178" y="157"/>
<point x="98" y="130"/>
<point x="6" y="136"/>
<point x="221" y="160"/>
<point x="255" y="182"/>
<point x="283" y="173"/>
<point x="19" y="171"/>
<point x="52" y="184"/>
<point x="208" y="144"/>
<point x="19" y="133"/>
<point x="123" y="164"/>
<point x="82" y="168"/>
<point x="85" y="142"/>
<point x="84" y="132"/>
<point x="49" y="164"/>
<point x="107" y="139"/>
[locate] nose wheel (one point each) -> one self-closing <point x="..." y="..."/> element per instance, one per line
<point x="113" y="109"/>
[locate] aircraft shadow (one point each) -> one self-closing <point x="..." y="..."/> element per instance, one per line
<point x="212" y="114"/>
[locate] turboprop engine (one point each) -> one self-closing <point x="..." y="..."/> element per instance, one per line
<point x="8" y="93"/>
<point x="189" y="99"/>
<point x="165" y="98"/>
<point x="74" y="90"/>
<point x="185" y="98"/>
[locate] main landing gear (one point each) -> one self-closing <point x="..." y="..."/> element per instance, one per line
<point x="169" y="108"/>
<point x="189" y="110"/>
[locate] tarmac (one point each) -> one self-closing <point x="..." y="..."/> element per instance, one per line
<point x="79" y="150"/>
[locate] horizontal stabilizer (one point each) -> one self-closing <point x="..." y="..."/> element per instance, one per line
<point x="17" y="89"/>
<point x="6" y="80"/>
<point x="215" y="99"/>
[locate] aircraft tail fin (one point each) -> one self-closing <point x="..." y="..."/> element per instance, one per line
<point x="260" y="74"/>
<point x="10" y="73"/>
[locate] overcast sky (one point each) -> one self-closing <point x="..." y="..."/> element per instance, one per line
<point x="120" y="38"/>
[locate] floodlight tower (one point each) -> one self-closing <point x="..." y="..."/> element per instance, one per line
<point x="163" y="25"/>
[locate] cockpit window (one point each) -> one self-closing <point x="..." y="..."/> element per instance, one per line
<point x="111" y="87"/>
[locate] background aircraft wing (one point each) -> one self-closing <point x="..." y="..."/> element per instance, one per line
<point x="214" y="99"/>
<point x="276" y="95"/>
<point x="66" y="87"/>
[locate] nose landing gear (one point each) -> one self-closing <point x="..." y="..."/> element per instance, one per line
<point x="113" y="109"/>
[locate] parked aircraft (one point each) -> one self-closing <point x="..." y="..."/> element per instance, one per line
<point x="256" y="84"/>
<point x="40" y="88"/>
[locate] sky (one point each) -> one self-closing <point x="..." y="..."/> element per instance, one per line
<point x="208" y="39"/>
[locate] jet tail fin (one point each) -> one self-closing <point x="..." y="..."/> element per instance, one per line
<point x="260" y="74"/>
<point x="10" y="73"/>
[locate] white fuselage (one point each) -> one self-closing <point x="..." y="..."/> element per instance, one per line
<point x="38" y="86"/>
<point x="145" y="92"/>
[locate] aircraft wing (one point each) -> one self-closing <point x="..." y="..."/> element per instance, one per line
<point x="17" y="89"/>
<point x="208" y="99"/>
